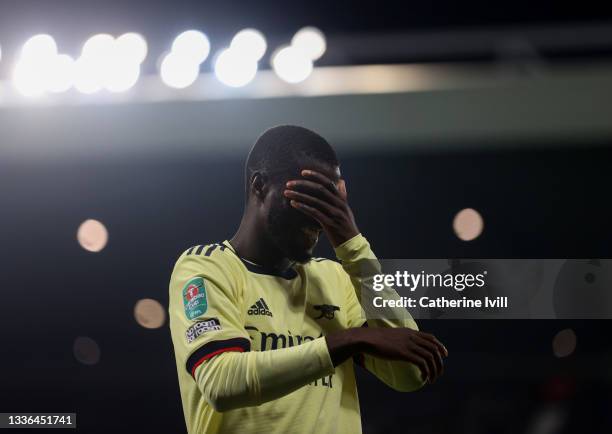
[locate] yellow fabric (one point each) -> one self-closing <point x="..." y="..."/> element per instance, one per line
<point x="283" y="380"/>
<point x="360" y="265"/>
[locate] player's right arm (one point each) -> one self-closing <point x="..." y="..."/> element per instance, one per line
<point x="211" y="343"/>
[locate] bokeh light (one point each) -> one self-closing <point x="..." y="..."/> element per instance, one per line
<point x="468" y="224"/>
<point x="122" y="77"/>
<point x="99" y="47"/>
<point x="86" y="350"/>
<point x="28" y="78"/>
<point x="109" y="63"/>
<point x="87" y="76"/>
<point x="132" y="47"/>
<point x="35" y="71"/>
<point x="60" y="74"/>
<point x="92" y="235"/>
<point x="234" y="69"/>
<point x="250" y="43"/>
<point x="291" y="64"/>
<point x="179" y="71"/>
<point x="311" y="41"/>
<point x="564" y="343"/>
<point x="192" y="44"/>
<point x="39" y="48"/>
<point x="149" y="313"/>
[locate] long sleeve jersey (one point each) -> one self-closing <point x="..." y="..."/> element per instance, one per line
<point x="250" y="345"/>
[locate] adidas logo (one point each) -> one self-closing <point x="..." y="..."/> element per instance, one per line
<point x="259" y="308"/>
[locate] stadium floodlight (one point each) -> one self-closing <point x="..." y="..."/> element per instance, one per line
<point x="60" y="74"/>
<point x="122" y="77"/>
<point x="39" y="48"/>
<point x="179" y="71"/>
<point x="99" y="47"/>
<point x="234" y="69"/>
<point x="132" y="47"/>
<point x="88" y="77"/>
<point x="291" y="64"/>
<point x="40" y="69"/>
<point x="250" y="42"/>
<point x="311" y="40"/>
<point x="28" y="78"/>
<point x="192" y="44"/>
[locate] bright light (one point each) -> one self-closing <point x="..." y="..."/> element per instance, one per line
<point x="122" y="77"/>
<point x="132" y="47"/>
<point x="291" y="64"/>
<point x="311" y="40"/>
<point x="87" y="75"/>
<point x="39" y="48"/>
<point x="99" y="47"/>
<point x="249" y="42"/>
<point x="149" y="313"/>
<point x="92" y="235"/>
<point x="233" y="69"/>
<point x="60" y="74"/>
<point x="41" y="69"/>
<point x="95" y="63"/>
<point x="193" y="45"/>
<point x="28" y="78"/>
<point x="468" y="224"/>
<point x="109" y="63"/>
<point x="179" y="71"/>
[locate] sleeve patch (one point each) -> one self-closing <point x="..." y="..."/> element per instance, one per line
<point x="194" y="298"/>
<point x="200" y="327"/>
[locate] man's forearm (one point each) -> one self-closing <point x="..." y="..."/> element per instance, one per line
<point x="234" y="380"/>
<point x="361" y="265"/>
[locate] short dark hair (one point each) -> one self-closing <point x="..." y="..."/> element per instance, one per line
<point x="279" y="151"/>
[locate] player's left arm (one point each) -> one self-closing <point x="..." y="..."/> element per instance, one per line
<point x="358" y="261"/>
<point x="325" y="201"/>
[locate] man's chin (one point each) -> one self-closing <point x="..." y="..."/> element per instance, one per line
<point x="300" y="255"/>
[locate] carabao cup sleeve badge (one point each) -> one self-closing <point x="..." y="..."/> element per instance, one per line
<point x="194" y="298"/>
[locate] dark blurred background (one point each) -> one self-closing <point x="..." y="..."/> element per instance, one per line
<point x="504" y="109"/>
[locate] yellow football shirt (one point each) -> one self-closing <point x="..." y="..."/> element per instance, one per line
<point x="221" y="305"/>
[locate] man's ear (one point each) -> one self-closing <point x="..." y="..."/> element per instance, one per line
<point x="259" y="184"/>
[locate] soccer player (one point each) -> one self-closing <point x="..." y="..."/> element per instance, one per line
<point x="264" y="334"/>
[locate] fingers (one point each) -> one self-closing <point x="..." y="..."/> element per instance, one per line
<point x="429" y="359"/>
<point x="420" y="363"/>
<point x="434" y="356"/>
<point x="316" y="189"/>
<point x="322" y="179"/>
<point x="312" y="212"/>
<point x="307" y="199"/>
<point x="342" y="189"/>
<point x="429" y="351"/>
<point x="435" y="341"/>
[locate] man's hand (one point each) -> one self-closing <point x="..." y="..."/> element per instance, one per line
<point x="419" y="348"/>
<point x="325" y="201"/>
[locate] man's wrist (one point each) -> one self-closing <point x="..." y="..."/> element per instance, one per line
<point x="345" y="344"/>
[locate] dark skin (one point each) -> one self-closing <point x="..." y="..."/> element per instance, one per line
<point x="320" y="194"/>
